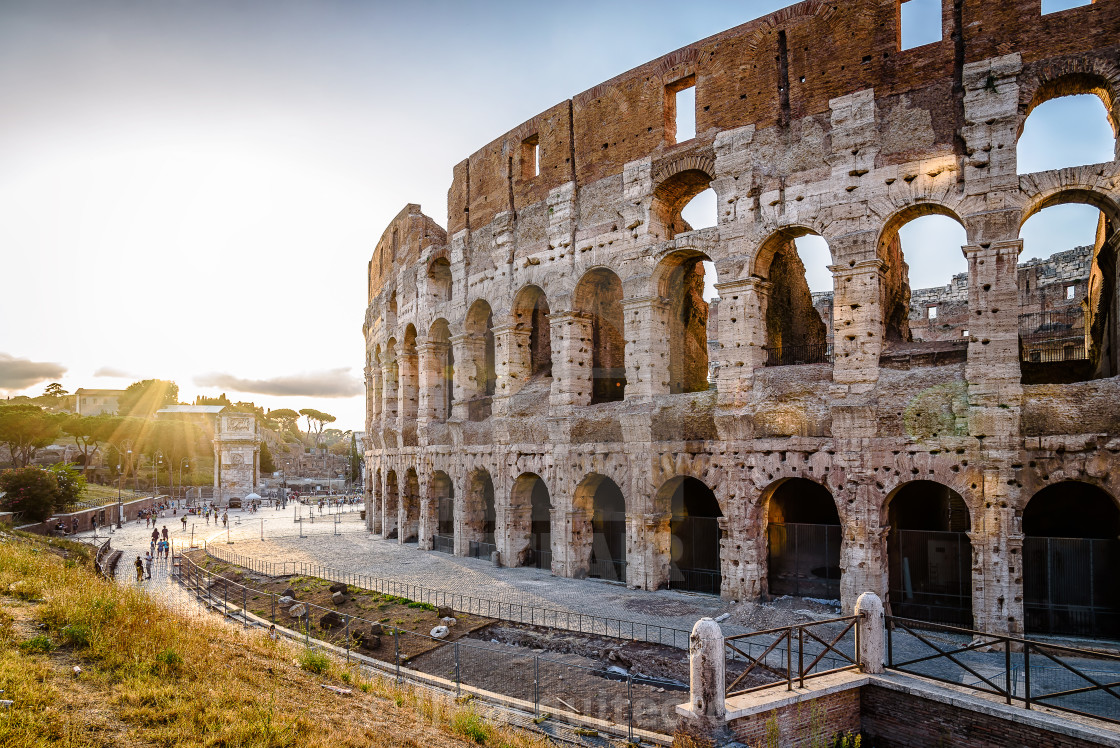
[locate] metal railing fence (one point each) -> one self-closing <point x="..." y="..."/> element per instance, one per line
<point x="523" y="613"/>
<point x="1012" y="672"/>
<point x="797" y="355"/>
<point x="793" y="653"/>
<point x="631" y="703"/>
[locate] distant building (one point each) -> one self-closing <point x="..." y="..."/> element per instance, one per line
<point x="96" y="402"/>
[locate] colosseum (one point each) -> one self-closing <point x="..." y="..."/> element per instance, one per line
<point x="550" y="384"/>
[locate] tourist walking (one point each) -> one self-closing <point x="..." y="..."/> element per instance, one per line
<point x="165" y="532"/>
<point x="148" y="565"/>
<point x="139" y="569"/>
<point x="184" y="523"/>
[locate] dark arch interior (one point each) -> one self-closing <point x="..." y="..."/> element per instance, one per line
<point x="608" y="523"/>
<point x="599" y="294"/>
<point x="540" y="527"/>
<point x="930" y="555"/>
<point x="410" y="502"/>
<point x="480" y="516"/>
<point x="389" y="522"/>
<point x="695" y="545"/>
<point x="683" y="285"/>
<point x="533" y="312"/>
<point x="671" y="196"/>
<point x="1071" y="560"/>
<point x="795" y="332"/>
<point x="803" y="533"/>
<point x="443" y="493"/>
<point x="480" y="323"/>
<point x="439" y="275"/>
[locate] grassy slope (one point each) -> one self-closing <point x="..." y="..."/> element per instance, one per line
<point x="152" y="677"/>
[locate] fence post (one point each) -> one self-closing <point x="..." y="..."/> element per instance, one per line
<point x="871" y="633"/>
<point x="537" y="685"/>
<point x="801" y="656"/>
<point x="789" y="660"/>
<point x="273" y="609"/>
<point x="1027" y="673"/>
<point x="707" y="677"/>
<point x="630" y="700"/>
<point x="458" y="679"/>
<point x="1007" y="667"/>
<point x="346" y="633"/>
<point x="397" y="651"/>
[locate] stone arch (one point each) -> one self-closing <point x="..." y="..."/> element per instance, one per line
<point x="390" y="371"/>
<point x="378" y="383"/>
<point x="599" y="296"/>
<point x="796" y="331"/>
<point x="1089" y="347"/>
<point x="440" y="280"/>
<point x="895" y="295"/>
<point x="476" y="522"/>
<point x="530" y="312"/>
<point x="929" y="553"/>
<point x="479" y="327"/>
<point x="676" y="184"/>
<point x="679" y="280"/>
<point x="528" y="525"/>
<point x="378" y="505"/>
<point x="408" y="522"/>
<point x="599" y="537"/>
<point x="390" y="507"/>
<point x="439" y="376"/>
<point x="440" y="514"/>
<point x="804" y="536"/>
<point x="695" y="535"/>
<point x="408" y="375"/>
<point x="1071" y="559"/>
<point x="1070" y="77"/>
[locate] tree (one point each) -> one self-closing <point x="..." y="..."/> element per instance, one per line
<point x="71" y="484"/>
<point x="355" y="460"/>
<point x="26" y="429"/>
<point x="54" y="390"/>
<point x="89" y="433"/>
<point x="142" y="399"/>
<point x="286" y="417"/>
<point x="30" y="492"/>
<point x="316" y="420"/>
<point x="268" y="465"/>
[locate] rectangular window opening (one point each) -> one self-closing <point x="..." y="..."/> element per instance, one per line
<point x="680" y="110"/>
<point x="1055" y="6"/>
<point x="964" y="333"/>
<point x="531" y="157"/>
<point x="931" y="312"/>
<point x="920" y="23"/>
<point x="1071" y="293"/>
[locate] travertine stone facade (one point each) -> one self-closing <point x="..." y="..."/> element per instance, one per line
<point x="237" y="453"/>
<point x="537" y="373"/>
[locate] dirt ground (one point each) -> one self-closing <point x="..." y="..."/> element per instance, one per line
<point x="782" y="611"/>
<point x="559" y="670"/>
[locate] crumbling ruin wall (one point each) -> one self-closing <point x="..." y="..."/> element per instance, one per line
<point x="808" y="120"/>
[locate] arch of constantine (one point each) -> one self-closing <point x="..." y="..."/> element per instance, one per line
<point x="546" y="379"/>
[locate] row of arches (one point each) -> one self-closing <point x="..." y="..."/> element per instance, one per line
<point x="1070" y="553"/>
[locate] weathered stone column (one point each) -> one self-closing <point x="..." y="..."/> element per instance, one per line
<point x="872" y="636"/>
<point x="571" y="359"/>
<point x="408" y="386"/>
<point x="857" y="321"/>
<point x="428" y="522"/>
<point x="513" y="363"/>
<point x="649" y="554"/>
<point x="742" y="336"/>
<point x="389" y="392"/>
<point x="470" y="355"/>
<point x="647" y="347"/>
<point x="707" y="680"/>
<point x="863" y="548"/>
<point x="432" y="358"/>
<point x="376" y="396"/>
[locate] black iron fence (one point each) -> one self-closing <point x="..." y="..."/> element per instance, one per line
<point x="931" y="575"/>
<point x="1069" y="587"/>
<point x="796" y="355"/>
<point x="608" y="568"/>
<point x="804" y="560"/>
<point x="791" y="654"/>
<point x="532" y="615"/>
<point x="1019" y="671"/>
<point x="704" y="581"/>
<point x="563" y="691"/>
<point x="541" y="559"/>
<point x="1053" y="335"/>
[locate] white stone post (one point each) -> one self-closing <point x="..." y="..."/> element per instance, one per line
<point x="706" y="675"/>
<point x="872" y="634"/>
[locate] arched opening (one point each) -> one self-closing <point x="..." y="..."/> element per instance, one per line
<point x="531" y="522"/>
<point x="599" y="528"/>
<point x="439" y="280"/>
<point x="803" y="533"/>
<point x="409" y="374"/>
<point x="479" y="326"/>
<point x="930" y="555"/>
<point x="1069" y="123"/>
<point x="479" y="517"/>
<point x="925" y="290"/>
<point x="599" y="295"/>
<point x="671" y="197"/>
<point x="378" y="503"/>
<point x="1068" y="326"/>
<point x="694" y="553"/>
<point x="389" y="372"/>
<point x="530" y="312"/>
<point x="378" y="383"/>
<point x="700" y="211"/>
<point x="441" y="376"/>
<point x="798" y="321"/>
<point x="681" y="280"/>
<point x="409" y="529"/>
<point x="441" y="495"/>
<point x="390" y="509"/>
<point x="1071" y="561"/>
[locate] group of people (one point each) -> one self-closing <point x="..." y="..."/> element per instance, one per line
<point x="160" y="551"/>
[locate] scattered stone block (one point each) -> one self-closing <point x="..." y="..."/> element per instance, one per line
<point x="331" y="620"/>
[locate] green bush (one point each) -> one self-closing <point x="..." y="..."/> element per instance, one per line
<point x="30" y="492"/>
<point x="470" y="726"/>
<point x="314" y="662"/>
<point x="40" y="644"/>
<point x="76" y="634"/>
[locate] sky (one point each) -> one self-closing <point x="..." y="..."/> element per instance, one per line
<point x="191" y="189"/>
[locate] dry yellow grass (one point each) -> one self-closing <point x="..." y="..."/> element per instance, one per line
<point x="153" y="678"/>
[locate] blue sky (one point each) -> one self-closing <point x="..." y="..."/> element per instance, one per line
<point x="192" y="188"/>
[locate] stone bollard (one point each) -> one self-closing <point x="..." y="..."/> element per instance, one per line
<point x="707" y="683"/>
<point x="872" y="636"/>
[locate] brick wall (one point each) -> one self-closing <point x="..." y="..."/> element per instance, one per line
<point x="805" y="723"/>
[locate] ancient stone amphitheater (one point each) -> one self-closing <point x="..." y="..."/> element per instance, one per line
<point x="546" y="381"/>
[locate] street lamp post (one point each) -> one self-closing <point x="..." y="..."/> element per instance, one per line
<point x="155" y="475"/>
<point x="120" y="477"/>
<point x="182" y="462"/>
